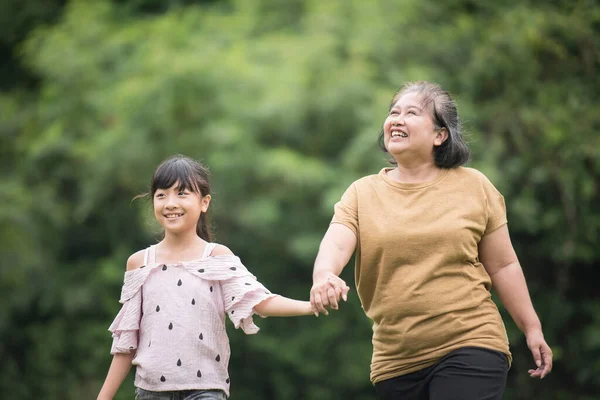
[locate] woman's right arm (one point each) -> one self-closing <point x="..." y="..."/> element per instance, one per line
<point x="335" y="251"/>
<point x="119" y="368"/>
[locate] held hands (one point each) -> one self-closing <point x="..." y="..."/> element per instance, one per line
<point x="542" y="354"/>
<point x="326" y="293"/>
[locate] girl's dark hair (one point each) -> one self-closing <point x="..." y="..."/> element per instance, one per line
<point x="453" y="152"/>
<point x="192" y="176"/>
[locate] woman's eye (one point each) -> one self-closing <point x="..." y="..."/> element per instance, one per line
<point x="412" y="112"/>
<point x="394" y="113"/>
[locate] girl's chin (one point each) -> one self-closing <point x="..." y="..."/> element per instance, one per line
<point x="177" y="228"/>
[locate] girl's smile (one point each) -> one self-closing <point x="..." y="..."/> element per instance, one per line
<point x="178" y="209"/>
<point x="173" y="216"/>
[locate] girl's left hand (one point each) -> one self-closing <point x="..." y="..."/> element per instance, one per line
<point x="542" y="354"/>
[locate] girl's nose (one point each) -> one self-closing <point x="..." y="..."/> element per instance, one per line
<point x="171" y="202"/>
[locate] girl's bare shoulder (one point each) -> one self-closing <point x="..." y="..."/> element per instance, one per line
<point x="219" y="250"/>
<point x="136" y="260"/>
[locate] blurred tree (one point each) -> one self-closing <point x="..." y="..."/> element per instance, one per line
<point x="17" y="19"/>
<point x="284" y="101"/>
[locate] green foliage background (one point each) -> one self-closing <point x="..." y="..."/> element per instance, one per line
<point x="284" y="101"/>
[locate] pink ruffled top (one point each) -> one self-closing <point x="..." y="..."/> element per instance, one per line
<point x="174" y="315"/>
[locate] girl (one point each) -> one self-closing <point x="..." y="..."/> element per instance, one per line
<point x="175" y="295"/>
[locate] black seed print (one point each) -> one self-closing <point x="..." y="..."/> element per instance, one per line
<point x="170" y="325"/>
<point x="193" y="301"/>
<point x="162" y="378"/>
<point x="149" y="343"/>
<point x="232" y="311"/>
<point x="218" y="359"/>
<point x="157" y="308"/>
<point x="179" y="363"/>
<point x="233" y="268"/>
<point x="143" y="266"/>
<point x="227" y="381"/>
<point x="211" y="288"/>
<point x="232" y="298"/>
<point x="164" y="268"/>
<point x="247" y="284"/>
<point x="130" y="347"/>
<point x="201" y="270"/>
<point x="179" y="283"/>
<point x="199" y="374"/>
<point x="201" y="337"/>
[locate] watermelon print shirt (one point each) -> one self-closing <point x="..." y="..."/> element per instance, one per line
<point x="173" y="316"/>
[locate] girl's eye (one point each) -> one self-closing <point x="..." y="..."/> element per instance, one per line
<point x="158" y="195"/>
<point x="182" y="193"/>
<point x="394" y="113"/>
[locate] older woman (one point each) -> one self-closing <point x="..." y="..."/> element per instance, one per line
<point x="431" y="239"/>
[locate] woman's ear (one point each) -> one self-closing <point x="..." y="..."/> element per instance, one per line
<point x="440" y="137"/>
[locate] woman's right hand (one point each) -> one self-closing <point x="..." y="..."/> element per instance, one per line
<point x="326" y="293"/>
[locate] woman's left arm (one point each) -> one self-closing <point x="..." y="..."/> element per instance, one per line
<point x="498" y="256"/>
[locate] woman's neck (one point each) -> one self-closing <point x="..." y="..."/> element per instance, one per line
<point x="414" y="173"/>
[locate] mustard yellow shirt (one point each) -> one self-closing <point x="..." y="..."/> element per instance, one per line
<point x="417" y="272"/>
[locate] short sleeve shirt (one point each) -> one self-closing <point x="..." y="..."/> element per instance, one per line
<point x="418" y="273"/>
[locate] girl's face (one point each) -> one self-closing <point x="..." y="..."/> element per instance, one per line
<point x="178" y="210"/>
<point x="409" y="132"/>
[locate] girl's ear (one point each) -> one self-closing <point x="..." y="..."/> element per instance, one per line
<point x="205" y="202"/>
<point x="440" y="137"/>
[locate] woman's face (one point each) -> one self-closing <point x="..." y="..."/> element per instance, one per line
<point x="409" y="133"/>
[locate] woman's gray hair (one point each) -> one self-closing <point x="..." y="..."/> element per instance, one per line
<point x="453" y="152"/>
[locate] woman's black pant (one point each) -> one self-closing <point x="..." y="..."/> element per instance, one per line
<point x="470" y="373"/>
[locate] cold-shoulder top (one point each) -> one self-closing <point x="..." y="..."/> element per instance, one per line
<point x="173" y="317"/>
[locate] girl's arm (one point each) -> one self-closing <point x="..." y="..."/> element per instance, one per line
<point x="119" y="368"/>
<point x="497" y="255"/>
<point x="280" y="306"/>
<point x="277" y="306"/>
<point x="121" y="362"/>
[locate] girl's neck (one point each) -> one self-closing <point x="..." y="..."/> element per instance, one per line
<point x="184" y="247"/>
<point x="414" y="173"/>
